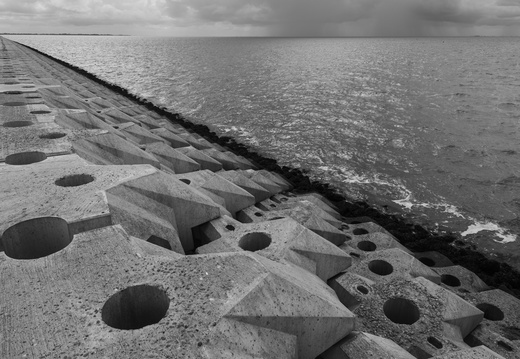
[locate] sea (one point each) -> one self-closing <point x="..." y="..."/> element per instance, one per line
<point x="425" y="127"/>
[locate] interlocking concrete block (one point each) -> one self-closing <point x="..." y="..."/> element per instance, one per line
<point x="361" y="345"/>
<point x="375" y="241"/>
<point x="284" y="239"/>
<point x="116" y="116"/>
<point x="417" y="314"/>
<point x="500" y="329"/>
<point x="140" y="135"/>
<point x="263" y="181"/>
<point x="317" y="201"/>
<point x="173" y="159"/>
<point x="235" y="197"/>
<point x="228" y="163"/>
<point x="277" y="178"/>
<point x="460" y="279"/>
<point x="149" y="300"/>
<point x="302" y="215"/>
<point x="81" y="120"/>
<point x="109" y="149"/>
<point x="392" y="263"/>
<point x="434" y="259"/>
<point x="174" y="140"/>
<point x="206" y="162"/>
<point x="245" y="183"/>
<point x="67" y="188"/>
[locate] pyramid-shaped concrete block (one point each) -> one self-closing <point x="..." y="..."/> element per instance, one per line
<point x="362" y="345"/>
<point x="206" y="162"/>
<point x="245" y="183"/>
<point x="173" y="299"/>
<point x="174" y="140"/>
<point x="304" y="206"/>
<point x="228" y="163"/>
<point x="316" y="325"/>
<point x="414" y="313"/>
<point x="145" y="223"/>
<point x="81" y="120"/>
<point x="109" y="149"/>
<point x="147" y="121"/>
<point x="302" y="215"/>
<point x="278" y="179"/>
<point x="318" y="202"/>
<point x="460" y="279"/>
<point x="235" y="197"/>
<point x="116" y="116"/>
<point x="193" y="141"/>
<point x="499" y="330"/>
<point x="161" y="193"/>
<point x="141" y="135"/>
<point x="284" y="239"/>
<point x="393" y="263"/>
<point x="173" y="159"/>
<point x="263" y="181"/>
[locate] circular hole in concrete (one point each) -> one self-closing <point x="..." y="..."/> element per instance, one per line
<point x="353" y="254"/>
<point x="367" y="246"/>
<point x="450" y="280"/>
<point x="53" y="135"/>
<point x="275" y="200"/>
<point x="435" y="342"/>
<point x="11" y="82"/>
<point x="360" y="231"/>
<point x="229" y="227"/>
<point x="491" y="312"/>
<point x="25" y="158"/>
<point x="362" y="289"/>
<point x="380" y="267"/>
<point x="27" y="87"/>
<point x="36" y="238"/>
<point x="254" y="241"/>
<point x="272" y="205"/>
<point x="33" y="97"/>
<point x="504" y="346"/>
<point x="427" y="261"/>
<point x="18" y="124"/>
<point x="14" y="104"/>
<point x="275" y="218"/>
<point x="345" y="227"/>
<point x="12" y="92"/>
<point x="283" y="199"/>
<point x="135" y="307"/>
<point x="259" y="214"/>
<point x="74" y="180"/>
<point x="187" y="181"/>
<point x="401" y="311"/>
<point x="40" y="112"/>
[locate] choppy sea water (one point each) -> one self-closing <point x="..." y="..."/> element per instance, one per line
<point x="430" y="126"/>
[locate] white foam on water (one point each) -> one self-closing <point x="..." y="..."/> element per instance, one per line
<point x="493" y="227"/>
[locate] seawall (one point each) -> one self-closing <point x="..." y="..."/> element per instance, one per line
<point x="129" y="232"/>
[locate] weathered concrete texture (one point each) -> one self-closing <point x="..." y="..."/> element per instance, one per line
<point x="459" y="279"/>
<point x="480" y="352"/>
<point x="361" y="345"/>
<point x="286" y="240"/>
<point x="417" y="314"/>
<point x="193" y="312"/>
<point x="500" y="329"/>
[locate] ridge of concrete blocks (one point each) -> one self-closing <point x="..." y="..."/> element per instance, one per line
<point x="124" y="235"/>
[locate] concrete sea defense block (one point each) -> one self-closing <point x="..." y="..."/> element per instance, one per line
<point x="286" y="240"/>
<point x="154" y="300"/>
<point x="173" y="159"/>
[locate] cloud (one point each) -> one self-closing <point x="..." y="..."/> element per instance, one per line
<point x="278" y="17"/>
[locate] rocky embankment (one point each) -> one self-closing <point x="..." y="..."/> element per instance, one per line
<point x="128" y="232"/>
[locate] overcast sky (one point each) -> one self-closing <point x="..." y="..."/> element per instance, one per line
<point x="264" y="17"/>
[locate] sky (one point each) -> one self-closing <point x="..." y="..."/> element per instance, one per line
<point x="264" y="17"/>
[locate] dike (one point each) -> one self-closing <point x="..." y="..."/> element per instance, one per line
<point x="129" y="232"/>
